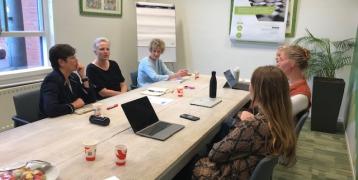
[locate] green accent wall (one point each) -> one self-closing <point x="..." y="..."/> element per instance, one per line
<point x="354" y="78"/>
<point x="352" y="121"/>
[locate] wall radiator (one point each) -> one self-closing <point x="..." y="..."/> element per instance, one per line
<point x="7" y="109"/>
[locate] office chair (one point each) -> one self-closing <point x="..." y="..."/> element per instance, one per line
<point x="134" y="76"/>
<point x="264" y="169"/>
<point x="301" y="119"/>
<point x="27" y="107"/>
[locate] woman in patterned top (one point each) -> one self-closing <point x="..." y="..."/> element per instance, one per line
<point x="269" y="132"/>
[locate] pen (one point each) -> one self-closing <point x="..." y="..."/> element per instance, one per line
<point x="189" y="87"/>
<point x="111" y="107"/>
<point x="156" y="91"/>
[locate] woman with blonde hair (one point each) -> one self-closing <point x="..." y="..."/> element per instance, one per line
<point x="152" y="69"/>
<point x="293" y="61"/>
<point x="269" y="132"/>
<point x="104" y="73"/>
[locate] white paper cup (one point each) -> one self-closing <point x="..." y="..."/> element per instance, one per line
<point x="97" y="109"/>
<point x="90" y="147"/>
<point x="120" y="152"/>
<point x="196" y="75"/>
<point x="180" y="91"/>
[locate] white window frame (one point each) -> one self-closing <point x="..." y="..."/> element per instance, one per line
<point x="9" y="78"/>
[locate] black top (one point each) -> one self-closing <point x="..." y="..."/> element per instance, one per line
<point x="56" y="96"/>
<point x="109" y="79"/>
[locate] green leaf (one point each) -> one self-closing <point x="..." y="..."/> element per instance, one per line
<point x="326" y="56"/>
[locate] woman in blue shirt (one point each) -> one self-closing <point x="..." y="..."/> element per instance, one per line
<point x="151" y="69"/>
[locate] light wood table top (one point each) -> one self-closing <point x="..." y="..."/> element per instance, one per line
<point x="59" y="140"/>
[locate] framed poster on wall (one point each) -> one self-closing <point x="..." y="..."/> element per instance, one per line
<point x="257" y="20"/>
<point x="291" y="18"/>
<point x="101" y="7"/>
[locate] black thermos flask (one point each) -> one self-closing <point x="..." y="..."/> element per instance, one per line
<point x="213" y="85"/>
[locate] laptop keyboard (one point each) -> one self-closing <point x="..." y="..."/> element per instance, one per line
<point x="155" y="128"/>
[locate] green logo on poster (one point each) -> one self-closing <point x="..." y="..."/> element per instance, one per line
<point x="238" y="35"/>
<point x="239" y="27"/>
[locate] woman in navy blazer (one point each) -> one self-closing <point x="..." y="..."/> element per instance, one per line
<point x="63" y="91"/>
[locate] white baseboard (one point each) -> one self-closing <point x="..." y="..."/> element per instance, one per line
<point x="350" y="156"/>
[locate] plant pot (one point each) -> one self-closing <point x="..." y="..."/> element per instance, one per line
<point x="326" y="103"/>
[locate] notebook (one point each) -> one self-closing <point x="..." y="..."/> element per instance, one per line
<point x="154" y="91"/>
<point x="144" y="120"/>
<point x="85" y="109"/>
<point x="206" y="102"/>
<point x="233" y="83"/>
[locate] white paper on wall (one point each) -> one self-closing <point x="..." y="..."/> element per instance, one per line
<point x="156" y="20"/>
<point x="259" y="20"/>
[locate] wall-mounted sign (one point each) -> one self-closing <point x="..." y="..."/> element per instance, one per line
<point x="258" y="20"/>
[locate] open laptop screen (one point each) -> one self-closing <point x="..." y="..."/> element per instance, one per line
<point x="230" y="78"/>
<point x="140" y="113"/>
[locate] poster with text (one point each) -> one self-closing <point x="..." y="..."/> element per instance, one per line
<point x="259" y="20"/>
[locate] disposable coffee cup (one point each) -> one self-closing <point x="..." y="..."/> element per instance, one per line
<point x="120" y="152"/>
<point x="196" y="75"/>
<point x="180" y="91"/>
<point x="90" y="147"/>
<point x="97" y="109"/>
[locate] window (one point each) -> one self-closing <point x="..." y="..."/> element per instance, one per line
<point x="23" y="35"/>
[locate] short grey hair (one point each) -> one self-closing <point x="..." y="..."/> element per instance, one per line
<point x="98" y="40"/>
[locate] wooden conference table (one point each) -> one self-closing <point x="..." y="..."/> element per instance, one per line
<point x="59" y="140"/>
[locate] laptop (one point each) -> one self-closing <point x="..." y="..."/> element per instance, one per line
<point x="144" y="120"/>
<point x="233" y="83"/>
<point x="206" y="102"/>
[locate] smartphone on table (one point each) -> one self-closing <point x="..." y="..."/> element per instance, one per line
<point x="189" y="117"/>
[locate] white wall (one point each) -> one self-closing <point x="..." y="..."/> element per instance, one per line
<point x="204" y="26"/>
<point x="202" y="34"/>
<point x="80" y="32"/>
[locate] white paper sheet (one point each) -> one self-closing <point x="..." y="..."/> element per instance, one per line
<point x="159" y="100"/>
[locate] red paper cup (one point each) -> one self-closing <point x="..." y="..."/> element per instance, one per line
<point x="90" y="147"/>
<point x="120" y="154"/>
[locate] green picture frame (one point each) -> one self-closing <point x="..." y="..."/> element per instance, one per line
<point x="291" y="18"/>
<point x="101" y="8"/>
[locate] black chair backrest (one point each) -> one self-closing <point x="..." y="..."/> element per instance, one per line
<point x="134" y="76"/>
<point x="27" y="105"/>
<point x="301" y="119"/>
<point x="264" y="169"/>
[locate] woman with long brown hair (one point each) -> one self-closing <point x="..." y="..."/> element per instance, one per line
<point x="269" y="132"/>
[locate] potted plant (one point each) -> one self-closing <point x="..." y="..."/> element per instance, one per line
<point x="326" y="57"/>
